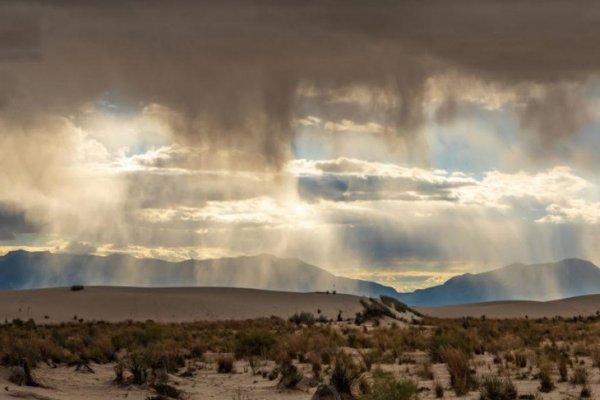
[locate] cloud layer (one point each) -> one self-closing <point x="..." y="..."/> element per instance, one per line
<point x="404" y="141"/>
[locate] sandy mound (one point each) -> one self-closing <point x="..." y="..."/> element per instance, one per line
<point x="168" y="304"/>
<point x="570" y="307"/>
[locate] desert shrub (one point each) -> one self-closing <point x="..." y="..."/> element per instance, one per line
<point x="359" y="340"/>
<point x="302" y="318"/>
<point x="443" y="339"/>
<point x="580" y="376"/>
<point x="344" y="374"/>
<point x="290" y="377"/>
<point x="225" y="365"/>
<point x="20" y="350"/>
<point x="386" y="387"/>
<point x="595" y="354"/>
<point x="137" y="364"/>
<point x="562" y="369"/>
<point x="315" y="363"/>
<point x="369" y="357"/>
<point x="461" y="379"/>
<point x="521" y="360"/>
<point x="545" y="376"/>
<point x="425" y="371"/>
<point x="21" y="375"/>
<point x="492" y="388"/>
<point x="273" y="374"/>
<point x="119" y="372"/>
<point x="165" y="390"/>
<point x="77" y="288"/>
<point x="585" y="393"/>
<point x="257" y="343"/>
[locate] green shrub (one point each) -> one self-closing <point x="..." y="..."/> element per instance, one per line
<point x="290" y="377"/>
<point x="345" y="373"/>
<point x="257" y="343"/>
<point x="492" y="388"/>
<point x="137" y="364"/>
<point x="386" y="387"/>
<point x="302" y="318"/>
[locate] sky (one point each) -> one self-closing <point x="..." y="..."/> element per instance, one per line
<point x="402" y="141"/>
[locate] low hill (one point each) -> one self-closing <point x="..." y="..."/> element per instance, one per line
<point x="115" y="304"/>
<point x="570" y="307"/>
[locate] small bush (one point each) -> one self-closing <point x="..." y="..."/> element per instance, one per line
<point x="303" y="318"/>
<point x="586" y="393"/>
<point x="521" y="360"/>
<point x="595" y="354"/>
<point x="254" y="343"/>
<point x="546" y="382"/>
<point x="225" y="365"/>
<point x="461" y="379"/>
<point x="369" y="357"/>
<point x="562" y="369"/>
<point x="345" y="373"/>
<point x="167" y="391"/>
<point x="386" y="387"/>
<point x="580" y="376"/>
<point x="77" y="288"/>
<point x="137" y="364"/>
<point x="425" y="371"/>
<point x="493" y="388"/>
<point x="290" y="377"/>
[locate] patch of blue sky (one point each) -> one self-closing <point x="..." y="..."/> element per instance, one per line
<point x="474" y="142"/>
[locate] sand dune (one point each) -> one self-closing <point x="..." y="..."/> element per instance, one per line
<point x="168" y="304"/>
<point x="573" y="306"/>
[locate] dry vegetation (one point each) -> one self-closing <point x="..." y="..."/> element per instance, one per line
<point x="372" y="356"/>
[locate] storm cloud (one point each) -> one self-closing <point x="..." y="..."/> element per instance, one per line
<point x="236" y="73"/>
<point x="365" y="137"/>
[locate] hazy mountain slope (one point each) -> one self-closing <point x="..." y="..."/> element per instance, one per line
<point x="25" y="270"/>
<point x="541" y="282"/>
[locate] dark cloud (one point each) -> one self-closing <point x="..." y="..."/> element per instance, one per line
<point x="14" y="221"/>
<point x="556" y="115"/>
<point x="232" y="69"/>
<point x="355" y="188"/>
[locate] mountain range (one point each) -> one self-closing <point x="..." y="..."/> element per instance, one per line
<point x="25" y="270"/>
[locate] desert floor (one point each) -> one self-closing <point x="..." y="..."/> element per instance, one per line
<point x="58" y="328"/>
<point x="66" y="384"/>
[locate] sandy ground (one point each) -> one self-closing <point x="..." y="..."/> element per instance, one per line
<point x="63" y="383"/>
<point x="574" y="306"/>
<point x="168" y="304"/>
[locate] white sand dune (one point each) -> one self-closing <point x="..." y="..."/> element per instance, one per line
<point x="168" y="304"/>
<point x="570" y="307"/>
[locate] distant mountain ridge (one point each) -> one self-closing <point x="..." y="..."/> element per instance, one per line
<point x="540" y="282"/>
<point x="26" y="270"/>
